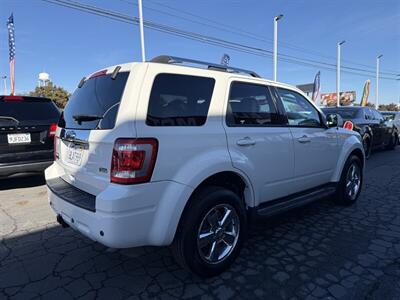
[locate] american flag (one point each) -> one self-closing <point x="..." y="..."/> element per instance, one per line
<point x="11" y="44"/>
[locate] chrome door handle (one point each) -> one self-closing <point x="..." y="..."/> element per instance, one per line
<point x="304" y="139"/>
<point x="246" y="142"/>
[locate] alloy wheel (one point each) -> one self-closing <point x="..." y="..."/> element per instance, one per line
<point x="218" y="233"/>
<point x="353" y="181"/>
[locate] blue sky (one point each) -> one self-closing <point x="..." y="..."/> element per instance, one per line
<point x="69" y="44"/>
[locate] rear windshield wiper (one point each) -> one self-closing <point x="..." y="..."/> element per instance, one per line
<point x="9" y="118"/>
<point x="86" y="118"/>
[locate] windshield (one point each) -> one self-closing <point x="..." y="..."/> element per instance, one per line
<point x="28" y="112"/>
<point x="95" y="105"/>
<point x="344" y="113"/>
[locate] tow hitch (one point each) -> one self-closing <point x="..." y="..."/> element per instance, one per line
<point x="61" y="221"/>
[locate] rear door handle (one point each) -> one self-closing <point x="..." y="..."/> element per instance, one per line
<point x="304" y="139"/>
<point x="246" y="142"/>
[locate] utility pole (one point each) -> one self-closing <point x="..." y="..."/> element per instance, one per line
<point x="141" y="30"/>
<point x="338" y="73"/>
<point x="276" y="19"/>
<point x="378" y="58"/>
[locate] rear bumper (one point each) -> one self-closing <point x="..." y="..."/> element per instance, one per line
<point x="126" y="216"/>
<point x="32" y="167"/>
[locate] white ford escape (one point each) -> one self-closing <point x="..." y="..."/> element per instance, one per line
<point x="162" y="153"/>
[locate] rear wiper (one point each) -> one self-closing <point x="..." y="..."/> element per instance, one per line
<point x="9" y="118"/>
<point x="86" y="118"/>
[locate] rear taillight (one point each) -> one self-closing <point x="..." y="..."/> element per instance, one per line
<point x="55" y="150"/>
<point x="348" y="125"/>
<point x="133" y="160"/>
<point x="52" y="129"/>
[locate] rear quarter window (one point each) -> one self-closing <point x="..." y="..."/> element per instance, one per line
<point x="179" y="100"/>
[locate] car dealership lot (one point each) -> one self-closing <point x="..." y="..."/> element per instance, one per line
<point x="319" y="251"/>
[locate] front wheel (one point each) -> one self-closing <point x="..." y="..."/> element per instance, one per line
<point x="349" y="186"/>
<point x="211" y="232"/>
<point x="367" y="145"/>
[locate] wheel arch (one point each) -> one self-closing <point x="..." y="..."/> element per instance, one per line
<point x="233" y="180"/>
<point x="352" y="146"/>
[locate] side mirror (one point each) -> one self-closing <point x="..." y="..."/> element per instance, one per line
<point x="334" y="120"/>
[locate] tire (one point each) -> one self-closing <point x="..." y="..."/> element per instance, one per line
<point x="350" y="184"/>
<point x="206" y="207"/>
<point x="367" y="145"/>
<point x="394" y="140"/>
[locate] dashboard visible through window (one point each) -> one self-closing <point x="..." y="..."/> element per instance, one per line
<point x="298" y="110"/>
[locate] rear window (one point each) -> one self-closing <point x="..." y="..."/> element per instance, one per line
<point x="344" y="113"/>
<point x="33" y="111"/>
<point x="179" y="100"/>
<point x="95" y="104"/>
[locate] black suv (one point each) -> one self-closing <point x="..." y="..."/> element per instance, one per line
<point x="27" y="128"/>
<point x="370" y="124"/>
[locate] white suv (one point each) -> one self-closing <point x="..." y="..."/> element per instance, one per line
<point x="162" y="153"/>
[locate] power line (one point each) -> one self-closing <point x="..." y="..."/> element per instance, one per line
<point x="199" y="37"/>
<point x="251" y="35"/>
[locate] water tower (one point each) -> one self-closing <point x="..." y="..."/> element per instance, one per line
<point x="44" y="79"/>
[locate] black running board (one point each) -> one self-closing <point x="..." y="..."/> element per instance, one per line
<point x="280" y="205"/>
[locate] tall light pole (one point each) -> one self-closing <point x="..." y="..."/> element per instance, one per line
<point x="276" y="19"/>
<point x="141" y="30"/>
<point x="378" y="58"/>
<point x="5" y="84"/>
<point x="338" y="73"/>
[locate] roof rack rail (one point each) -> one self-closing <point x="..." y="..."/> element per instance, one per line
<point x="166" y="59"/>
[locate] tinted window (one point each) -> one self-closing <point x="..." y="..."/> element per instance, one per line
<point x="28" y="111"/>
<point x="345" y="113"/>
<point x="250" y="104"/>
<point x="179" y="100"/>
<point x="99" y="96"/>
<point x="368" y="114"/>
<point x="377" y="115"/>
<point x="299" y="111"/>
<point x="389" y="116"/>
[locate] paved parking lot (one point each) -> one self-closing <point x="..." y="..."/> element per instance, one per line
<point x="320" y="251"/>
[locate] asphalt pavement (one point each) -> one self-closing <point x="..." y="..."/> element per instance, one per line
<point x="322" y="251"/>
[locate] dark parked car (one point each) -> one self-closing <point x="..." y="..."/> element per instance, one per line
<point x="27" y="128"/>
<point x="370" y="124"/>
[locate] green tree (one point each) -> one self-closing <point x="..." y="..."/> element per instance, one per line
<point x="389" y="107"/>
<point x="56" y="93"/>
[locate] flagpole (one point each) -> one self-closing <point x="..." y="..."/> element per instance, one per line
<point x="141" y="30"/>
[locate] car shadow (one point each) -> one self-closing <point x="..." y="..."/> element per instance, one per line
<point x="22" y="181"/>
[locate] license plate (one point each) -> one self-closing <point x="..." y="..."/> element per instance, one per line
<point x="19" y="138"/>
<point x="74" y="155"/>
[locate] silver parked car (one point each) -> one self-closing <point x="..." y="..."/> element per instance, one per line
<point x="392" y="117"/>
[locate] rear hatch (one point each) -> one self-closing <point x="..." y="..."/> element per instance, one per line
<point x="27" y="127"/>
<point x="88" y="129"/>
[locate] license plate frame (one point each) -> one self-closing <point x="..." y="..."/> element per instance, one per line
<point x="19" y="138"/>
<point x="74" y="154"/>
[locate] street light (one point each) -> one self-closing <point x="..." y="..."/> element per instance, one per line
<point x="276" y="19"/>
<point x="338" y="73"/>
<point x="378" y="58"/>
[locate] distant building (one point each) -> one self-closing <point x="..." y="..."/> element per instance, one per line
<point x="306" y="88"/>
